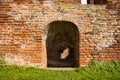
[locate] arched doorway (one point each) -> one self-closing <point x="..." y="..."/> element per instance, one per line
<point x="62" y="44"/>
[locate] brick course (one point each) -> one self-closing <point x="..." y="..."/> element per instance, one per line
<point x="23" y="31"/>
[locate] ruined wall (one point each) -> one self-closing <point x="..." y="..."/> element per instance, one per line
<point x="23" y="31"/>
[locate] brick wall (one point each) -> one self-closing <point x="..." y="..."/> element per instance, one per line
<point x="23" y="31"/>
<point x="70" y="1"/>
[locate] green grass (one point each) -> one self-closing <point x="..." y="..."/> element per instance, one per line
<point x="96" y="71"/>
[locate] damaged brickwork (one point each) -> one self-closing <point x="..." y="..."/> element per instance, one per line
<point x="24" y="28"/>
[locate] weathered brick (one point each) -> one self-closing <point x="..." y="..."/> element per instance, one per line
<point x="24" y="28"/>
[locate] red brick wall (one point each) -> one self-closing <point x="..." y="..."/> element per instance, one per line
<point x="23" y="31"/>
<point x="70" y="1"/>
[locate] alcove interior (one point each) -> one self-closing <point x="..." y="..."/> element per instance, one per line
<point x="62" y="44"/>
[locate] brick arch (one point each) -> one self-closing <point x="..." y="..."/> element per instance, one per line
<point x="82" y="23"/>
<point x="48" y="21"/>
<point x="45" y="29"/>
<point x="65" y="36"/>
<point x="82" y="26"/>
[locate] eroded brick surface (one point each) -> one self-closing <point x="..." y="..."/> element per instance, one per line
<point x="23" y="31"/>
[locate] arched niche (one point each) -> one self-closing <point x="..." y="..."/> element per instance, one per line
<point x="62" y="44"/>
